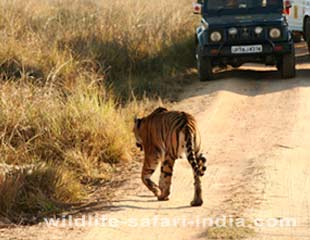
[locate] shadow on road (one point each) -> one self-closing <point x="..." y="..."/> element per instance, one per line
<point x="121" y="207"/>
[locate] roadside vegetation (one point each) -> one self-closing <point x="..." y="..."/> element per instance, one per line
<point x="72" y="75"/>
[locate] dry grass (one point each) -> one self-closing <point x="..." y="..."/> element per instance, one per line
<point x="65" y="66"/>
<point x="80" y="138"/>
<point x="40" y="189"/>
<point x="130" y="44"/>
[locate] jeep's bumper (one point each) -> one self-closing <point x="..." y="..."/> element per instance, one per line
<point x="269" y="48"/>
<point x="270" y="55"/>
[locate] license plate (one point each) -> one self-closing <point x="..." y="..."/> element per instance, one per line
<point x="246" y="49"/>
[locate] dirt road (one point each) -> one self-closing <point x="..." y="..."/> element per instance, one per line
<point x="256" y="130"/>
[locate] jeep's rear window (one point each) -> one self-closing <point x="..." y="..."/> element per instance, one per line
<point x="241" y="5"/>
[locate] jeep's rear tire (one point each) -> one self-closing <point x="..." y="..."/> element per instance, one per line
<point x="307" y="32"/>
<point x="287" y="65"/>
<point x="204" y="67"/>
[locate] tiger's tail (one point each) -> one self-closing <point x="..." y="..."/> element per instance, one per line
<point x="191" y="156"/>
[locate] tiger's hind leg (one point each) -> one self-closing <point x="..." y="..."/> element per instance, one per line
<point x="165" y="178"/>
<point x="201" y="159"/>
<point x="197" y="201"/>
<point x="149" y="167"/>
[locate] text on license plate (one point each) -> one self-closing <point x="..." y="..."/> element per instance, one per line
<point x="247" y="49"/>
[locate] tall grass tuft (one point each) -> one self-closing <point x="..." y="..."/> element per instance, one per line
<point x="29" y="192"/>
<point x="79" y="138"/>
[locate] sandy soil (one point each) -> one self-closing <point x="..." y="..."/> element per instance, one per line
<point x="255" y="128"/>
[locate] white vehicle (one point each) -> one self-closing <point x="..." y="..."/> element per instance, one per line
<point x="299" y="19"/>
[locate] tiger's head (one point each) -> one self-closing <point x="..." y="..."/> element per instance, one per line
<point x="137" y="132"/>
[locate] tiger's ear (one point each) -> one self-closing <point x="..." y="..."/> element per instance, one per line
<point x="138" y="122"/>
<point x="159" y="110"/>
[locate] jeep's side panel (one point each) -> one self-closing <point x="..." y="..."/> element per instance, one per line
<point x="200" y="36"/>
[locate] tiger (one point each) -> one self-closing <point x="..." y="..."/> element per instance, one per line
<point x="165" y="136"/>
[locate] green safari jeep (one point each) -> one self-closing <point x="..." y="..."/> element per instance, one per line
<point x="234" y="32"/>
